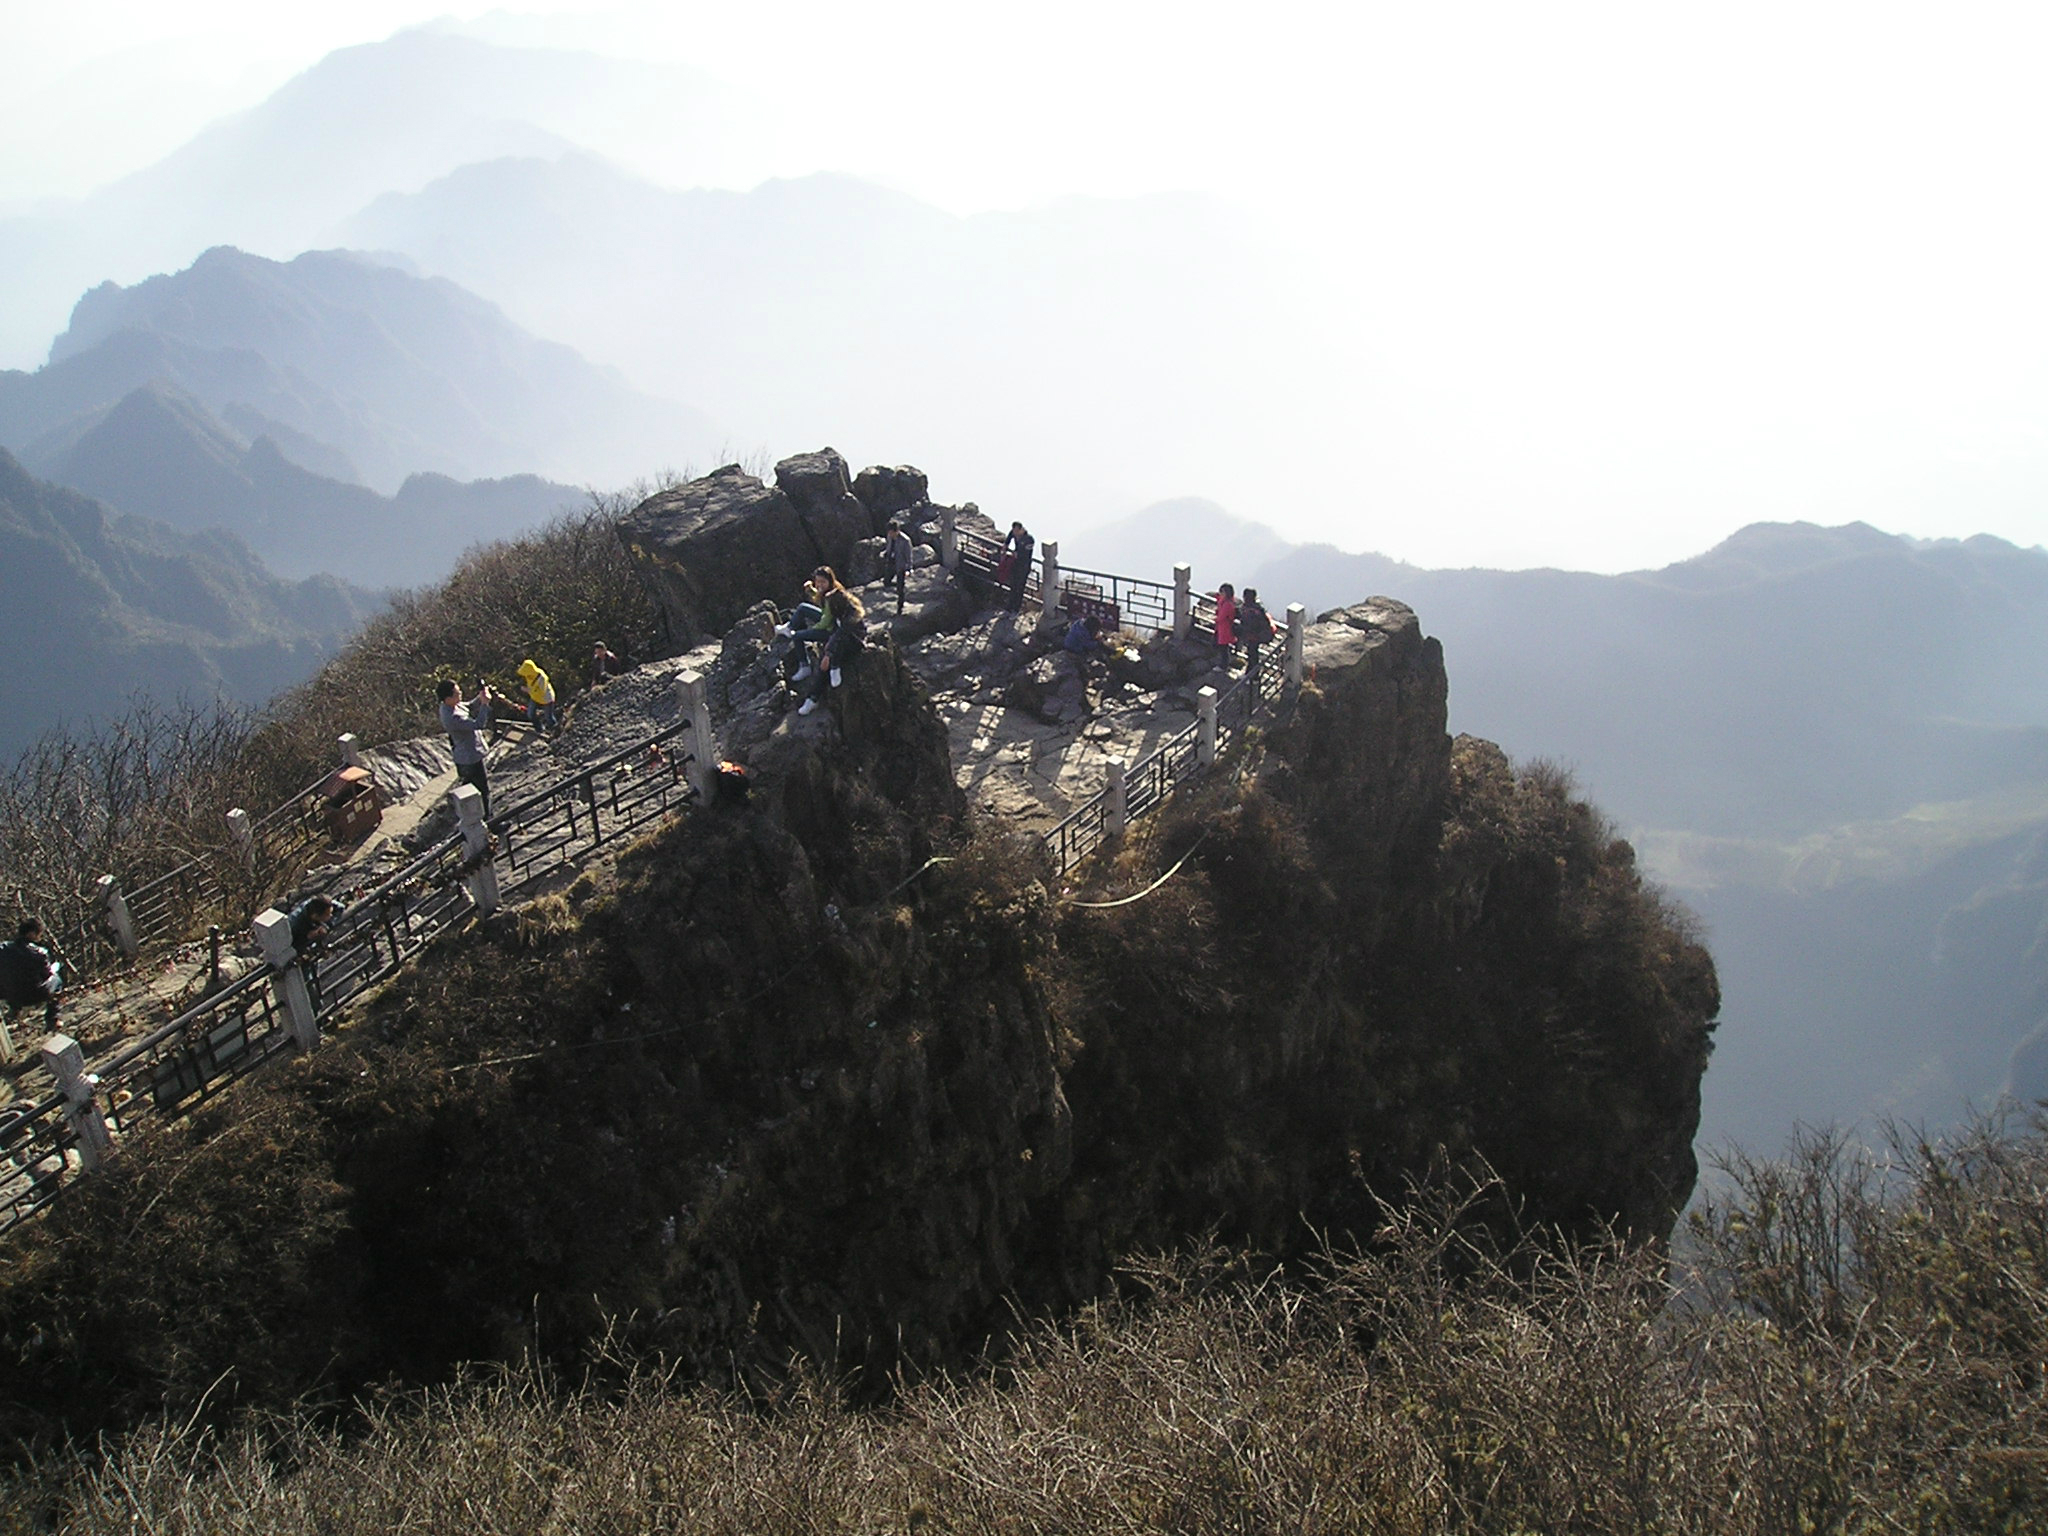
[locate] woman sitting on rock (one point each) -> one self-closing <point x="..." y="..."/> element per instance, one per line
<point x="845" y="633"/>
<point x="806" y="625"/>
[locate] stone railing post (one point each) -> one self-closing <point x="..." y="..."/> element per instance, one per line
<point x="949" y="539"/>
<point x="1115" y="800"/>
<point x="1297" y="632"/>
<point x="351" y="751"/>
<point x="119" y="917"/>
<point x="243" y="833"/>
<point x="1049" y="579"/>
<point x="64" y="1059"/>
<point x="1183" y="601"/>
<point x="1205" y="740"/>
<point x="273" y="932"/>
<point x="693" y="703"/>
<point x="476" y="842"/>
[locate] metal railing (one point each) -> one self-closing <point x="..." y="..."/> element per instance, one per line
<point x="981" y="554"/>
<point x="578" y="814"/>
<point x="1146" y="784"/>
<point x="387" y="925"/>
<point x="1139" y="603"/>
<point x="36" y="1141"/>
<point x="220" y="1038"/>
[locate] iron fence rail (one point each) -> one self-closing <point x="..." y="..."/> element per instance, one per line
<point x="581" y="812"/>
<point x="1148" y="782"/>
<point x="36" y="1142"/>
<point x="224" y="1036"/>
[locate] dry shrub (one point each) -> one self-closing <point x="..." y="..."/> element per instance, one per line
<point x="1853" y="1344"/>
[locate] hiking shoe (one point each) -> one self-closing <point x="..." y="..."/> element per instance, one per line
<point x="838" y="677"/>
<point x="807" y="706"/>
<point x="802" y="672"/>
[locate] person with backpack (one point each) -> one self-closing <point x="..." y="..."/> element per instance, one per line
<point x="1254" y="628"/>
<point x="28" y="976"/>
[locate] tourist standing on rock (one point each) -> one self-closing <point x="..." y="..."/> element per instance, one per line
<point x="1017" y="549"/>
<point x="28" y="975"/>
<point x="1254" y="628"/>
<point x="541" y="693"/>
<point x="901" y="554"/>
<point x="606" y="664"/>
<point x="845" y="633"/>
<point x="463" y="723"/>
<point x="1226" y="620"/>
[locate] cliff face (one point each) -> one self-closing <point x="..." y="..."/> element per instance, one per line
<point x="847" y="1071"/>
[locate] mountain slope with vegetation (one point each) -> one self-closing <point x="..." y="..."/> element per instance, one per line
<point x="101" y="606"/>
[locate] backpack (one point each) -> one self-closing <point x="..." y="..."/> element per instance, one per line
<point x="1254" y="624"/>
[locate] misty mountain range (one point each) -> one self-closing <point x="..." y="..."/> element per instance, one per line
<point x="1832" y="743"/>
<point x="353" y="369"/>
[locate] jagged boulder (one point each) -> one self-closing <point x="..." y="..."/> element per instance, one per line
<point x="833" y="520"/>
<point x="709" y="550"/>
<point x="886" y="492"/>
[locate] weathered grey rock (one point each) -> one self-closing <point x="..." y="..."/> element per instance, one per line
<point x="833" y="519"/>
<point x="933" y="603"/>
<point x="885" y="492"/>
<point x="864" y="562"/>
<point x="709" y="550"/>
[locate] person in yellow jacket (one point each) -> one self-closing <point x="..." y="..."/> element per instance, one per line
<point x="541" y="693"/>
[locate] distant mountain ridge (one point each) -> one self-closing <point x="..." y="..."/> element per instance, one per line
<point x="160" y="453"/>
<point x="348" y="364"/>
<point x="100" y="606"/>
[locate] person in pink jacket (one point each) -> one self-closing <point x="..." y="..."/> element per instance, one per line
<point x="1226" y="617"/>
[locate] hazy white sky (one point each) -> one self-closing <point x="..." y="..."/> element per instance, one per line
<point x="1641" y="273"/>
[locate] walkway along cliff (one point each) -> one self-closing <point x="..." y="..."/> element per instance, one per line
<point x="855" y="1069"/>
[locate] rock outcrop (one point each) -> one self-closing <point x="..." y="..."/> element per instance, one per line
<point x="854" y="1071"/>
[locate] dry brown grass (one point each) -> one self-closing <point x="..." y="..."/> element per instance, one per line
<point x="1853" y="1344"/>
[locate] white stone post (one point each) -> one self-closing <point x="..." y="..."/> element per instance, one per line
<point x="476" y="842"/>
<point x="694" y="704"/>
<point x="351" y="751"/>
<point x="1205" y="740"/>
<point x="118" y="915"/>
<point x="949" y="539"/>
<point x="243" y="831"/>
<point x="1115" y="800"/>
<point x="1297" y="632"/>
<point x="1049" y="579"/>
<point x="64" y="1059"/>
<point x="1183" y="601"/>
<point x="273" y="932"/>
